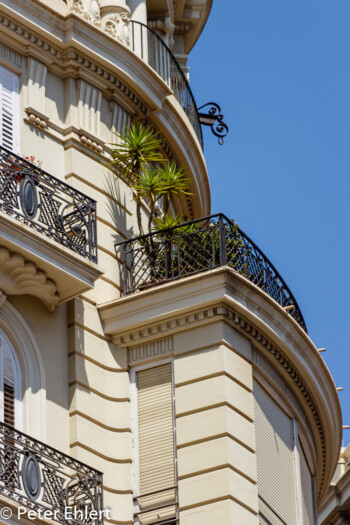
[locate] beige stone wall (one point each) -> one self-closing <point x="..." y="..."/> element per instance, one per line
<point x="99" y="411"/>
<point x="215" y="430"/>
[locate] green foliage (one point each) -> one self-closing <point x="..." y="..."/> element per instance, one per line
<point x="140" y="163"/>
<point x="138" y="148"/>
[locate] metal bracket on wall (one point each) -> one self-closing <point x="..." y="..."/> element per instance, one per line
<point x="214" y="118"/>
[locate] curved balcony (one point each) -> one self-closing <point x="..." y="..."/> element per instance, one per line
<point x="198" y="246"/>
<point x="47" y="229"/>
<point x="47" y="205"/>
<point x="150" y="47"/>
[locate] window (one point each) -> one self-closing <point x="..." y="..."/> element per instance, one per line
<point x="9" y="383"/>
<point x="155" y="446"/>
<point x="9" y="110"/>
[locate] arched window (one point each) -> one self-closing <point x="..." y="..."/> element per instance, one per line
<point x="9" y="384"/>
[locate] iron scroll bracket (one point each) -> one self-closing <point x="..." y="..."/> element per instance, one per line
<point x="214" y="118"/>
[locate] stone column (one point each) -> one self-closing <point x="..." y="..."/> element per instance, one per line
<point x="115" y="19"/>
<point x="138" y="10"/>
<point x="139" y="38"/>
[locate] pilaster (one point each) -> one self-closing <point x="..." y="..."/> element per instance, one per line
<point x="215" y="429"/>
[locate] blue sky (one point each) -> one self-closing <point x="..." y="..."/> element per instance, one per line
<point x="281" y="73"/>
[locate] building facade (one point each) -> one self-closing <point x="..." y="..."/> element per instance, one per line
<point x="197" y="395"/>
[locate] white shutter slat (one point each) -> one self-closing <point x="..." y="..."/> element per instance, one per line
<point x="156" y="440"/>
<point x="275" y="459"/>
<point x="9" y="102"/>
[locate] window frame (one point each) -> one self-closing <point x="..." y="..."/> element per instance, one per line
<point x="134" y="422"/>
<point x="298" y="436"/>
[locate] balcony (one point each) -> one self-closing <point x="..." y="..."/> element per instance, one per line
<point x="38" y="478"/>
<point x="199" y="246"/>
<point x="49" y="224"/>
<point x="150" y="47"/>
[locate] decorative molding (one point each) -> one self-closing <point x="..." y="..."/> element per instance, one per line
<point x="90" y="142"/>
<point x="164" y="25"/>
<point x="32" y="38"/>
<point x="89" y="107"/>
<point x="244" y="326"/>
<point x="155" y="349"/>
<point x="36" y="88"/>
<point x="117" y="25"/>
<point x="36" y="118"/>
<point x="19" y="276"/>
<point x="108" y="77"/>
<point x="120" y="119"/>
<point x="86" y="9"/>
<point x="54" y="54"/>
<point x="182" y="28"/>
<point x="11" y="56"/>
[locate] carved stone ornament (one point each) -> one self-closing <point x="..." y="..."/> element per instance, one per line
<point x="118" y="26"/>
<point x="18" y="276"/>
<point x="88" y="9"/>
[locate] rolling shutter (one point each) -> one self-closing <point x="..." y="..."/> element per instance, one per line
<point x="306" y="489"/>
<point x="9" y="110"/>
<point x="8" y="386"/>
<point x="9" y="405"/>
<point x="275" y="460"/>
<point x="156" y="443"/>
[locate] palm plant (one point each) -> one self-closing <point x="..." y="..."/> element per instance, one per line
<point x="149" y="187"/>
<point x="175" y="184"/>
<point x="153" y="178"/>
<point x="137" y="150"/>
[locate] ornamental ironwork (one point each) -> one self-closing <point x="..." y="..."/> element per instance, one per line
<point x="215" y="119"/>
<point x="197" y="246"/>
<point x="47" y="205"/>
<point x="48" y="482"/>
<point x="147" y="44"/>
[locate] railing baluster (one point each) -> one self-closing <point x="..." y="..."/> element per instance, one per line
<point x="162" y="60"/>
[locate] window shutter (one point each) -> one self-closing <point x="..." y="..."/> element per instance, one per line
<point x="156" y="443"/>
<point x="9" y="405"/>
<point x="9" y="110"/>
<point x="275" y="460"/>
<point x="306" y="489"/>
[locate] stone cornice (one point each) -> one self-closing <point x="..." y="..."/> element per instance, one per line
<point x="63" y="57"/>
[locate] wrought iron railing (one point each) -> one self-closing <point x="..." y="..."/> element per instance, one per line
<point x="47" y="205"/>
<point x="50" y="483"/>
<point x="147" y="44"/>
<point x="197" y="246"/>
